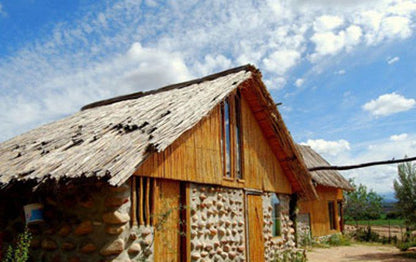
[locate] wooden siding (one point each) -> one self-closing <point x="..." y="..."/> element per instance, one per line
<point x="196" y="156"/>
<point x="318" y="210"/>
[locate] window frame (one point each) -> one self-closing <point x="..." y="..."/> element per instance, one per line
<point x="235" y="131"/>
<point x="276" y="216"/>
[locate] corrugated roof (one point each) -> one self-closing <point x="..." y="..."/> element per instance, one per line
<point x="330" y="178"/>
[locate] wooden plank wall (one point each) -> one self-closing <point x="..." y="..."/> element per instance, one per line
<point x="196" y="157"/>
<point x="318" y="210"/>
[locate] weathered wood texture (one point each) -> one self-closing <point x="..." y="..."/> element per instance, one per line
<point x="330" y="178"/>
<point x="318" y="210"/>
<point x="167" y="221"/>
<point x="255" y="225"/>
<point x="196" y="157"/>
<point x="113" y="140"/>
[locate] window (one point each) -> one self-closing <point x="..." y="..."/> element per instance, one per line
<point x="331" y="212"/>
<point x="144" y="188"/>
<point x="231" y="148"/>
<point x="276" y="227"/>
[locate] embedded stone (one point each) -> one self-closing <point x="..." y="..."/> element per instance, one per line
<point x="114" y="230"/>
<point x="221" y="231"/>
<point x="146" y="231"/>
<point x="133" y="236"/>
<point x="115" y="248"/>
<point x="227" y="248"/>
<point x="195" y="256"/>
<point x="232" y="255"/>
<point x="115" y="218"/>
<point x="241" y="249"/>
<point x="224" y="255"/>
<point x="134" y="248"/>
<point x="65" y="230"/>
<point x="68" y="246"/>
<point x="49" y="244"/>
<point x="208" y="247"/>
<point x="213" y="232"/>
<point x="88" y="248"/>
<point x="204" y="253"/>
<point x="202" y="196"/>
<point x="220" y="205"/>
<point x="195" y="218"/>
<point x="116" y="201"/>
<point x="147" y="241"/>
<point x="219" y="251"/>
<point x="84" y="228"/>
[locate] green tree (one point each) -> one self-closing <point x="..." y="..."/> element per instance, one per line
<point x="362" y="203"/>
<point x="405" y="192"/>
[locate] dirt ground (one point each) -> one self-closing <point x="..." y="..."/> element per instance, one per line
<point x="357" y="252"/>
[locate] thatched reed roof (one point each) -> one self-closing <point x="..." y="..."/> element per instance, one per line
<point x="329" y="178"/>
<point x="110" y="139"/>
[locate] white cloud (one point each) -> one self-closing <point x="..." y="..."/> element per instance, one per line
<point x="393" y="60"/>
<point x="327" y="23"/>
<point x="400" y="137"/>
<point x="340" y="72"/>
<point x="2" y="12"/>
<point x="396" y="26"/>
<point x="388" y="104"/>
<point x="331" y="148"/>
<point x="299" y="82"/>
<point x="281" y="61"/>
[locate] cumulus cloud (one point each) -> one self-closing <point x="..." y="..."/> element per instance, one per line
<point x="119" y="47"/>
<point x="281" y="61"/>
<point x="400" y="137"/>
<point x="327" y="23"/>
<point x="331" y="148"/>
<point x="393" y="60"/>
<point x="389" y="104"/>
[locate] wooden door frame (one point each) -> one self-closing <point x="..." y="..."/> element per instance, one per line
<point x="248" y="192"/>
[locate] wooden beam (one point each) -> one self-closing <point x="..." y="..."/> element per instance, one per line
<point x="375" y="163"/>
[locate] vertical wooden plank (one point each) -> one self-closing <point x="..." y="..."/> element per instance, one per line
<point x="133" y="201"/>
<point x="141" y="220"/>
<point x="255" y="228"/>
<point x="167" y="217"/>
<point x="147" y="203"/>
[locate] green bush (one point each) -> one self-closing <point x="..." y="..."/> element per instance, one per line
<point x="339" y="240"/>
<point x="366" y="235"/>
<point x="20" y="252"/>
<point x="403" y="246"/>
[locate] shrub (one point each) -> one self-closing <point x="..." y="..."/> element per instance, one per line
<point x="19" y="253"/>
<point x="403" y="246"/>
<point x="366" y="235"/>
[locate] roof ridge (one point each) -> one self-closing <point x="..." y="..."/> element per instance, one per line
<point x="247" y="67"/>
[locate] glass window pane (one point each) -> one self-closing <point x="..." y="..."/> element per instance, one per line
<point x="276" y="227"/>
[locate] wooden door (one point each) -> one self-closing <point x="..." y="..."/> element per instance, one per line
<point x="167" y="243"/>
<point x="255" y="228"/>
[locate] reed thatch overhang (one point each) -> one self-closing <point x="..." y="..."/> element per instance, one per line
<point x="328" y="178"/>
<point x="109" y="139"/>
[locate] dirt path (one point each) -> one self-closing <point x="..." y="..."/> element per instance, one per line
<point x="357" y="253"/>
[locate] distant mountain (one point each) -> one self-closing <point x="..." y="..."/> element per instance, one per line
<point x="389" y="197"/>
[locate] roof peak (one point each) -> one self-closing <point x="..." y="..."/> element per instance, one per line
<point x="247" y="67"/>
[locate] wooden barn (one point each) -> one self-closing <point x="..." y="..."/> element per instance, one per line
<point x="204" y="170"/>
<point x="323" y="216"/>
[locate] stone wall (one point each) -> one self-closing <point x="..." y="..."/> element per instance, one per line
<point x="217" y="224"/>
<point x="284" y="243"/>
<point x="304" y="230"/>
<point x="83" y="223"/>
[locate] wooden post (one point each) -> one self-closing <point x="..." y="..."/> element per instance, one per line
<point x="133" y="201"/>
<point x="141" y="222"/>
<point x="147" y="197"/>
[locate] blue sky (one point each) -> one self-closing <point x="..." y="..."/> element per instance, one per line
<point x="344" y="71"/>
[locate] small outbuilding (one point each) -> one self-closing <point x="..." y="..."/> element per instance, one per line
<point x="322" y="216"/>
<point x="204" y="170"/>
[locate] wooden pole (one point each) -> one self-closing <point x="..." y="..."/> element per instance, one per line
<point x="385" y="162"/>
<point x="133" y="201"/>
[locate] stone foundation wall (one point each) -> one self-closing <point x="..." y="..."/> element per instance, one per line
<point x="217" y="224"/>
<point x="90" y="223"/>
<point x="304" y="230"/>
<point x="284" y="243"/>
